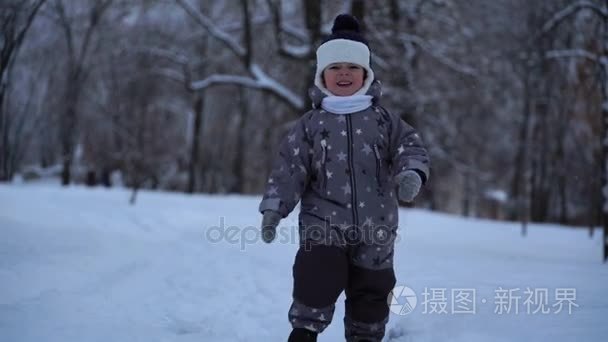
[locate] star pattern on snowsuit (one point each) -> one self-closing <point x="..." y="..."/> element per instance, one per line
<point x="362" y="184"/>
<point x="347" y="189"/>
<point x="325" y="134"/>
<point x="381" y="234"/>
<point x="366" y="149"/>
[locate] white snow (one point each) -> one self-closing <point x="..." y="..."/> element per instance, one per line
<point x="298" y="51"/>
<point x="497" y="195"/>
<point x="81" y="264"/>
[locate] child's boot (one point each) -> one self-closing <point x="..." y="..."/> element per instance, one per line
<point x="302" y="335"/>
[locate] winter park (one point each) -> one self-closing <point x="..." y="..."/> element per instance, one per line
<point x="303" y="170"/>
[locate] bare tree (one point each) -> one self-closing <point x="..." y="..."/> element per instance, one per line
<point x="503" y="100"/>
<point x="601" y="59"/>
<point x="16" y="18"/>
<point x="78" y="50"/>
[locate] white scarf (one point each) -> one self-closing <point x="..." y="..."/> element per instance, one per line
<point x="346" y="104"/>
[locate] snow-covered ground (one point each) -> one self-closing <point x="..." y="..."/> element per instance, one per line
<point x="81" y="264"/>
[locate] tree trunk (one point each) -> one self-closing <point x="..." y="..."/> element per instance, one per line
<point x="357" y="8"/>
<point x="239" y="169"/>
<point x="520" y="211"/>
<point x="312" y="15"/>
<point x="604" y="135"/>
<point x="561" y="170"/>
<point x="605" y="159"/>
<point x="67" y="139"/>
<point x="16" y="22"/>
<point x="194" y="151"/>
<point x="134" y="195"/>
<point x="5" y="144"/>
<point x="466" y="196"/>
<point x="605" y="166"/>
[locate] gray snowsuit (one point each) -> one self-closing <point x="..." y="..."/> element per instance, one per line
<point x="342" y="168"/>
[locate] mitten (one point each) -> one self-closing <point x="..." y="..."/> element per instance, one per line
<point x="270" y="221"/>
<point x="409" y="185"/>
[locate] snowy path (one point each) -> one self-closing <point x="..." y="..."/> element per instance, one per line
<point x="83" y="265"/>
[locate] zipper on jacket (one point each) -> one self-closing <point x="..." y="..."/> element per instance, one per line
<point x="324" y="164"/>
<point x="378" y="164"/>
<point x="351" y="166"/>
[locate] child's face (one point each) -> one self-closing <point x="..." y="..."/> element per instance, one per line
<point x="343" y="79"/>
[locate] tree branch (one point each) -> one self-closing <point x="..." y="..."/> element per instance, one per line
<point x="65" y="25"/>
<point x="301" y="52"/>
<point x="173" y="56"/>
<point x="248" y="58"/>
<point x="283" y="92"/>
<point x="569" y="10"/>
<point x="259" y="79"/>
<point x="431" y="50"/>
<point x="96" y="13"/>
<point x="28" y="23"/>
<point x="170" y="74"/>
<point x="206" y="23"/>
<point x="578" y="53"/>
<point x="11" y="47"/>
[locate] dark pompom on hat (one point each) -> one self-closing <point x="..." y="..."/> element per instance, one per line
<point x="346" y="26"/>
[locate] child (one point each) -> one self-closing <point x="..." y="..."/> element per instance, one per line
<point x="343" y="160"/>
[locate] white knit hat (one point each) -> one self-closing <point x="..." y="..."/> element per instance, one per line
<point x="344" y="45"/>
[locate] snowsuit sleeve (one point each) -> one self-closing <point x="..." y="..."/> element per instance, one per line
<point x="407" y="149"/>
<point x="290" y="172"/>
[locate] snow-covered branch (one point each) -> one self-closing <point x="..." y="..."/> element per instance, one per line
<point x="173" y="56"/>
<point x="206" y="23"/>
<point x="433" y="51"/>
<point x="224" y="79"/>
<point x="293" y="51"/>
<point x="171" y="74"/>
<point x="285" y="49"/>
<point x="260" y="81"/>
<point x="578" y="53"/>
<point x="259" y="19"/>
<point x="294" y="32"/>
<point x="569" y="10"/>
<point x="269" y="83"/>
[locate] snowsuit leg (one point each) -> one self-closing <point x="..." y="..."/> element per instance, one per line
<point x="364" y="271"/>
<point x="366" y="303"/>
<point x="320" y="275"/>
